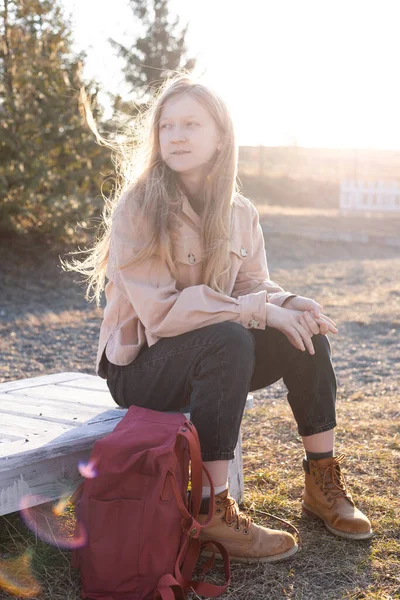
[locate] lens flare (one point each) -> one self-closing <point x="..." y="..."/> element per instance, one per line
<point x="59" y="508"/>
<point x="52" y="523"/>
<point x="16" y="576"/>
<point x="87" y="470"/>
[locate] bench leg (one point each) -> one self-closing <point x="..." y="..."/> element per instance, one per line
<point x="235" y="473"/>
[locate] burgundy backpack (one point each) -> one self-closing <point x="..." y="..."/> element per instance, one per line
<point x="142" y="536"/>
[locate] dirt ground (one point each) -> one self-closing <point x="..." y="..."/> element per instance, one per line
<point x="46" y="326"/>
<point x="375" y="225"/>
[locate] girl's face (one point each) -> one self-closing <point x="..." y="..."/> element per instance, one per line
<point x="188" y="135"/>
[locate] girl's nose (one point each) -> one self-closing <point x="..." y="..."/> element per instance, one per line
<point x="178" y="135"/>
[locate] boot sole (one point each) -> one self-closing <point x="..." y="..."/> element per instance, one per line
<point x="344" y="534"/>
<point x="263" y="559"/>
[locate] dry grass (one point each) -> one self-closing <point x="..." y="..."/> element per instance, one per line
<point x="327" y="567"/>
<point x="359" y="287"/>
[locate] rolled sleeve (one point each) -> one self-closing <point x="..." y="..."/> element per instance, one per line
<point x="253" y="276"/>
<point x="253" y="310"/>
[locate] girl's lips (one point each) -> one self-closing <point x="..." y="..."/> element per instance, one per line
<point x="182" y="152"/>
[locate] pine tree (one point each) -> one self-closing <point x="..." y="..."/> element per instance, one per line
<point x="159" y="52"/>
<point x="49" y="165"/>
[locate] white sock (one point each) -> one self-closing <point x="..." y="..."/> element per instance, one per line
<point x="217" y="490"/>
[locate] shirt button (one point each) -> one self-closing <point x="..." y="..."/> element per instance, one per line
<point x="243" y="251"/>
<point x="253" y="323"/>
<point x="191" y="258"/>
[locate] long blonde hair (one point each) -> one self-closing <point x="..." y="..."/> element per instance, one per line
<point x="153" y="192"/>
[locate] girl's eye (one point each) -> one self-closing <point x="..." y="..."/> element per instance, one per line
<point x="164" y="125"/>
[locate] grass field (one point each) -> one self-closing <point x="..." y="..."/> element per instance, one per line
<point x="44" y="316"/>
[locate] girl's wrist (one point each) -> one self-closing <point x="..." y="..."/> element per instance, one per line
<point x="266" y="313"/>
<point x="268" y="310"/>
<point x="287" y="301"/>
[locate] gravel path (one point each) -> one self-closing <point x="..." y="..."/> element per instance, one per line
<point x="46" y="325"/>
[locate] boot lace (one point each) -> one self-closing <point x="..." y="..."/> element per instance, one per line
<point x="331" y="480"/>
<point x="233" y="516"/>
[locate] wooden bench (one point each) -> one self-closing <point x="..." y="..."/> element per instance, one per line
<point x="49" y="424"/>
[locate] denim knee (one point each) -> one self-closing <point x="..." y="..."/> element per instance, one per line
<point x="234" y="334"/>
<point x="236" y="341"/>
<point x="221" y="382"/>
<point x="313" y="396"/>
<point x="322" y="344"/>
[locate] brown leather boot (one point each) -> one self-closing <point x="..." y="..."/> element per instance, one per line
<point x="243" y="540"/>
<point x="325" y="496"/>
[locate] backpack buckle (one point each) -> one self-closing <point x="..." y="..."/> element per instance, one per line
<point x="191" y="527"/>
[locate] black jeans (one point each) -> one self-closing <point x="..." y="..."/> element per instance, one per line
<point x="213" y="369"/>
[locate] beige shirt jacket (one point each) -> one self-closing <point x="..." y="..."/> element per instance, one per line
<point x="145" y="302"/>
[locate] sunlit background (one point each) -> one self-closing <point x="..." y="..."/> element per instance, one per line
<point x="310" y="73"/>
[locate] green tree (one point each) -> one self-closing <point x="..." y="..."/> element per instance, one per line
<point x="50" y="169"/>
<point x="155" y="54"/>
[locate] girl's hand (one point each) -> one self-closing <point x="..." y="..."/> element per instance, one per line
<point x="323" y="325"/>
<point x="289" y="322"/>
<point x="312" y="317"/>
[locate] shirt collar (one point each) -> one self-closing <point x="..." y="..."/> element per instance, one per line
<point x="189" y="211"/>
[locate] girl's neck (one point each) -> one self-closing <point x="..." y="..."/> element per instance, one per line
<point x="192" y="188"/>
<point x="193" y="182"/>
<point x="194" y="196"/>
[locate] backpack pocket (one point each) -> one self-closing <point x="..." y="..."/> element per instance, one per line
<point x="113" y="544"/>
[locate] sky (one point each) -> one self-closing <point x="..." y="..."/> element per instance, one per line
<point x="312" y="73"/>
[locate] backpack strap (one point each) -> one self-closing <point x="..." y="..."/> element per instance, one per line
<point x="184" y="574"/>
<point x="191" y="547"/>
<point x="188" y="432"/>
<point x="211" y="590"/>
<point x="168" y="589"/>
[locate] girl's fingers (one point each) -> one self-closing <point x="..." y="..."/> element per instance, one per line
<point x="331" y="327"/>
<point x="305" y="336"/>
<point x="295" y="339"/>
<point x="304" y="324"/>
<point x="317" y="325"/>
<point x="328" y="320"/>
<point x="311" y="324"/>
<point x="325" y="323"/>
<point x="317" y="310"/>
<point x="323" y="328"/>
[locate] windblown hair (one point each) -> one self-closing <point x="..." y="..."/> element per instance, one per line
<point x="153" y="192"/>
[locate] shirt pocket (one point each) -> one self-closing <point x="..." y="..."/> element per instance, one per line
<point x="240" y="245"/>
<point x="188" y="251"/>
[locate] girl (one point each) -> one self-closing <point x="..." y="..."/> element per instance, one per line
<point x="192" y="316"/>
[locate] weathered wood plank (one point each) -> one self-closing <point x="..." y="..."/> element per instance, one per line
<point x="57" y="392"/>
<point x="26" y="426"/>
<point x="90" y="382"/>
<point x="49" y="479"/>
<point x="46" y="409"/>
<point x="53" y="444"/>
<point x="41" y="380"/>
<point x="51" y="470"/>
